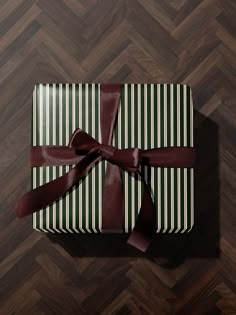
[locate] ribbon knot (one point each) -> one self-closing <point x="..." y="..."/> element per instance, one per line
<point x="107" y="152"/>
<point x="84" y="151"/>
<point x="127" y="159"/>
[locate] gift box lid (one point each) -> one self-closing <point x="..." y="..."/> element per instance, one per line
<point x="150" y="115"/>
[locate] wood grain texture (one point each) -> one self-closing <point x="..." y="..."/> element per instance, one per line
<point x="136" y="41"/>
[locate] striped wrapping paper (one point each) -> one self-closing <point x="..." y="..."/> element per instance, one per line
<point x="150" y="115"/>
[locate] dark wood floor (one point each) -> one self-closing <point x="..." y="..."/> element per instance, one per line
<point x="190" y="41"/>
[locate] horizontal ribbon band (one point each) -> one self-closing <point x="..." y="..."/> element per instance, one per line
<point x="84" y="151"/>
<point x="129" y="159"/>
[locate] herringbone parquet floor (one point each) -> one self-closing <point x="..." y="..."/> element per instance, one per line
<point x="190" y="41"/>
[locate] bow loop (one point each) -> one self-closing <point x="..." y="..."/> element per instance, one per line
<point x="82" y="141"/>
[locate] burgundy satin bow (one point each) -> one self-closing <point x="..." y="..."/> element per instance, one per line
<point x="84" y="151"/>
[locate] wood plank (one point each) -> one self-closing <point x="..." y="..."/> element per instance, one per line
<point x="186" y="41"/>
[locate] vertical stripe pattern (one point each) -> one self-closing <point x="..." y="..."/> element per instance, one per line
<point x="150" y="115"/>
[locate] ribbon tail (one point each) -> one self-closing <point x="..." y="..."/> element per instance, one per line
<point x="46" y="194"/>
<point x="145" y="226"/>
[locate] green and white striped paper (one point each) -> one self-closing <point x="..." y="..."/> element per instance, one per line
<point x="150" y="115"/>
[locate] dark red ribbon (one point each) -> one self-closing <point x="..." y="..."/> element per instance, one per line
<point x="84" y="151"/>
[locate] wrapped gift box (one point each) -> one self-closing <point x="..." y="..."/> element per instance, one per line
<point x="150" y="115"/>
